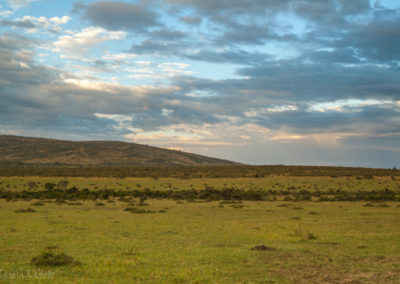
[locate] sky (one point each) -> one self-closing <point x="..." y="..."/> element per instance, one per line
<point x="309" y="82"/>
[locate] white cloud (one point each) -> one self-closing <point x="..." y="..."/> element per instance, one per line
<point x="19" y="3"/>
<point x="24" y="65"/>
<point x="263" y="111"/>
<point x="116" y="88"/>
<point x="118" y="56"/>
<point x="123" y="121"/>
<point x="171" y="69"/>
<point x="80" y="43"/>
<point x="167" y="112"/>
<point x="341" y="105"/>
<point x="5" y="13"/>
<point x="190" y="137"/>
<point x="149" y="70"/>
<point x="60" y="21"/>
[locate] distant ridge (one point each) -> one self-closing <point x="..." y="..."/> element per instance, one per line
<point x="18" y="150"/>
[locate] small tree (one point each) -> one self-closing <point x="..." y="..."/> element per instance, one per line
<point x="62" y="184"/>
<point x="31" y="185"/>
<point x="49" y="185"/>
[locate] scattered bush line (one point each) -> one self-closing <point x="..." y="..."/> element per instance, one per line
<point x="197" y="171"/>
<point x="209" y="193"/>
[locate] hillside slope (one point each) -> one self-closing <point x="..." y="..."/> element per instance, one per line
<point x="41" y="151"/>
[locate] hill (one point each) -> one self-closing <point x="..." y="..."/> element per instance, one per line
<point x="17" y="150"/>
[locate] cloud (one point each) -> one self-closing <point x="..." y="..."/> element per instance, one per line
<point x="80" y="43"/>
<point x="376" y="40"/>
<point x="167" y="34"/>
<point x="306" y="82"/>
<point x="228" y="56"/>
<point x="296" y="79"/>
<point x="191" y="20"/>
<point x="19" y="3"/>
<point x="29" y="22"/>
<point x="117" y="16"/>
<point x="165" y="48"/>
<point x="19" y="24"/>
<point x="186" y="50"/>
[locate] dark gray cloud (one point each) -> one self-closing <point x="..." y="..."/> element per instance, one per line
<point x="323" y="82"/>
<point x="229" y="56"/>
<point x="336" y="56"/>
<point x="19" y="24"/>
<point x="167" y="34"/>
<point x="337" y="31"/>
<point x="183" y="49"/>
<point x="121" y="16"/>
<point x="391" y="142"/>
<point x="232" y="8"/>
<point x="376" y="40"/>
<point x="354" y="7"/>
<point x="10" y="42"/>
<point x="165" y="48"/>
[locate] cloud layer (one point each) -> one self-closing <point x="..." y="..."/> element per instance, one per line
<point x="289" y="82"/>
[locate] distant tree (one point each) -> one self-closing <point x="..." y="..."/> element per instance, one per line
<point x="62" y="184"/>
<point x="31" y="185"/>
<point x="49" y="185"/>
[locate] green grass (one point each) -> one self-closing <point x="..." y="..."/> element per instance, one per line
<point x="181" y="241"/>
<point x="203" y="242"/>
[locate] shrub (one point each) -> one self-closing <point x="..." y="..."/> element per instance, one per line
<point x="142" y="200"/>
<point x="74" y="203"/>
<point x="52" y="259"/>
<point x="62" y="184"/>
<point x="262" y="247"/>
<point x="31" y="185"/>
<point x="37" y="203"/>
<point x="311" y="236"/>
<point x="137" y="210"/>
<point x="28" y="210"/>
<point x="237" y="206"/>
<point x="49" y="185"/>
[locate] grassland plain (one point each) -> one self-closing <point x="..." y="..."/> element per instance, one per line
<point x="201" y="241"/>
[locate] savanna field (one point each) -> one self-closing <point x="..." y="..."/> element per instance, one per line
<point x="171" y="141"/>
<point x="248" y="225"/>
